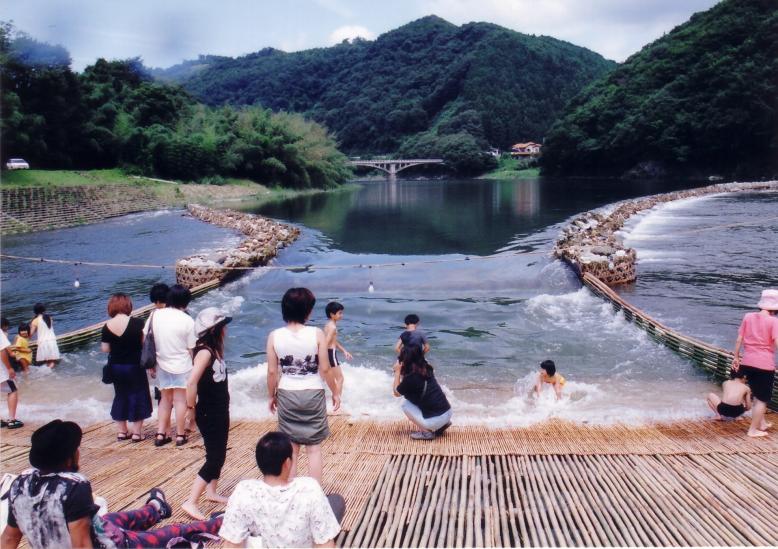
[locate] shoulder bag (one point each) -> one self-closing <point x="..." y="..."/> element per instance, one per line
<point x="148" y="354"/>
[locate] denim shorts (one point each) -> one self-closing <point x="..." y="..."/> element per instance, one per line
<point x="429" y="423"/>
<point x="166" y="380"/>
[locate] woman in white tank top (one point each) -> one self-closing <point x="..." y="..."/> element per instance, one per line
<point x="297" y="370"/>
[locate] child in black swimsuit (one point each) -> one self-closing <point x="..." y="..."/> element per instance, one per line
<point x="735" y="398"/>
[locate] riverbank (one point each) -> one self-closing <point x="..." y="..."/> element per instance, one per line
<point x="511" y="168"/>
<point x="36" y="200"/>
<point x="698" y="483"/>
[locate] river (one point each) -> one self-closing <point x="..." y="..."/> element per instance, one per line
<point x="470" y="257"/>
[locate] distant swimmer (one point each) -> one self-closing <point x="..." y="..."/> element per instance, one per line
<point x="735" y="398"/>
<point x="548" y="374"/>
<point x="412" y="335"/>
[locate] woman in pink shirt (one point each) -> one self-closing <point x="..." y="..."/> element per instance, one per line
<point x="758" y="335"/>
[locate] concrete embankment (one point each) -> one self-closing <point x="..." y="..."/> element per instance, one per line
<point x="590" y="244"/>
<point x="264" y="238"/>
<point x="29" y="209"/>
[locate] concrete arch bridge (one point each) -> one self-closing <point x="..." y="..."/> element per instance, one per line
<point x="393" y="166"/>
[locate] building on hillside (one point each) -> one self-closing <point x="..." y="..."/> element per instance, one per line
<point x="526" y="150"/>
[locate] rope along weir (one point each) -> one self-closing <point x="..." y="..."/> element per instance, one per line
<point x="293" y="268"/>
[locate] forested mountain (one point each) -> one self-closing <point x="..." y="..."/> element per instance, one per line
<point x="702" y="99"/>
<point x="427" y="88"/>
<point x="114" y="114"/>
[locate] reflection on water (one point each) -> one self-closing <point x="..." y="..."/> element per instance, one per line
<point x="451" y="216"/>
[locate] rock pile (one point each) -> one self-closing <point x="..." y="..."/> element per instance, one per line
<point x="264" y="238"/>
<point x="589" y="244"/>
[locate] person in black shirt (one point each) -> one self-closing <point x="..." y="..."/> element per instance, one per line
<point x="122" y="339"/>
<point x="208" y="396"/>
<point x="425" y="404"/>
<point x="52" y="504"/>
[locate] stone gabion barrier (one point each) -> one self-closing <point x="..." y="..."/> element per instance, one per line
<point x="589" y="244"/>
<point x="264" y="238"/>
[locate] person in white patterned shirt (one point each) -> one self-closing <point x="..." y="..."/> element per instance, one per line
<point x="282" y="512"/>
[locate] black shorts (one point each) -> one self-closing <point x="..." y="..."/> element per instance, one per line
<point x="760" y="381"/>
<point x="8" y="386"/>
<point x="729" y="410"/>
<point x="333" y="354"/>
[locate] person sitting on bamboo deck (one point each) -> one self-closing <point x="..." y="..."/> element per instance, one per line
<point x="425" y="404"/>
<point x="52" y="504"/>
<point x="297" y="368"/>
<point x="548" y="374"/>
<point x="281" y="510"/>
<point x="208" y="397"/>
<point x="735" y="398"/>
<point x="758" y="335"/>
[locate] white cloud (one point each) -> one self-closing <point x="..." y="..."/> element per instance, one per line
<point x="349" y="32"/>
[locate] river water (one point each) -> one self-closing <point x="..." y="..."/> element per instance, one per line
<point x="471" y="258"/>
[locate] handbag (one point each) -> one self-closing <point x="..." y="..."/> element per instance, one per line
<point x="107" y="374"/>
<point x="148" y="354"/>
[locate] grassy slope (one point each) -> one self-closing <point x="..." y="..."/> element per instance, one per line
<point x="67" y="178"/>
<point x="510" y="168"/>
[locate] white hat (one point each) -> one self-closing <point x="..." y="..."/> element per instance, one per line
<point x="769" y="300"/>
<point x="208" y="318"/>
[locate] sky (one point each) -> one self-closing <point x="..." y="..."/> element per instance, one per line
<point x="166" y="32"/>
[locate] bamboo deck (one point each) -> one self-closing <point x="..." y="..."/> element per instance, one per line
<point x="558" y="484"/>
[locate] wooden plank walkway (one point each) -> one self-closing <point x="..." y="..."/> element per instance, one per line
<point x="557" y="484"/>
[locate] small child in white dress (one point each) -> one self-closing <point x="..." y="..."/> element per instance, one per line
<point x="48" y="351"/>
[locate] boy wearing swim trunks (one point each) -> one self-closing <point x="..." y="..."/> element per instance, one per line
<point x="334" y="312"/>
<point x="548" y="374"/>
<point x="735" y="398"/>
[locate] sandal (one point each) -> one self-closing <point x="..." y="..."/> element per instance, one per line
<point x="14" y="424"/>
<point x="156" y="494"/>
<point x="137" y="438"/>
<point x="181" y="440"/>
<point x="161" y="439"/>
<point x="122" y="436"/>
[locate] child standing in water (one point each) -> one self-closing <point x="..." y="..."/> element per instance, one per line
<point x="21" y="348"/>
<point x="48" y="351"/>
<point x="334" y="312"/>
<point x="735" y="397"/>
<point x="548" y="374"/>
<point x="412" y="335"/>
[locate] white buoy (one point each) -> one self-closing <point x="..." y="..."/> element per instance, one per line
<point x="76" y="284"/>
<point x="370" y="288"/>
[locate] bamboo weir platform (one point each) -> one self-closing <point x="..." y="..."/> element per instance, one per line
<point x="559" y="484"/>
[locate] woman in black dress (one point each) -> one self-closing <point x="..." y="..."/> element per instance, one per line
<point x="122" y="339"/>
<point x="208" y="396"/>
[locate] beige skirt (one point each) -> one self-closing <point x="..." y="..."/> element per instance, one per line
<point x="302" y="415"/>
